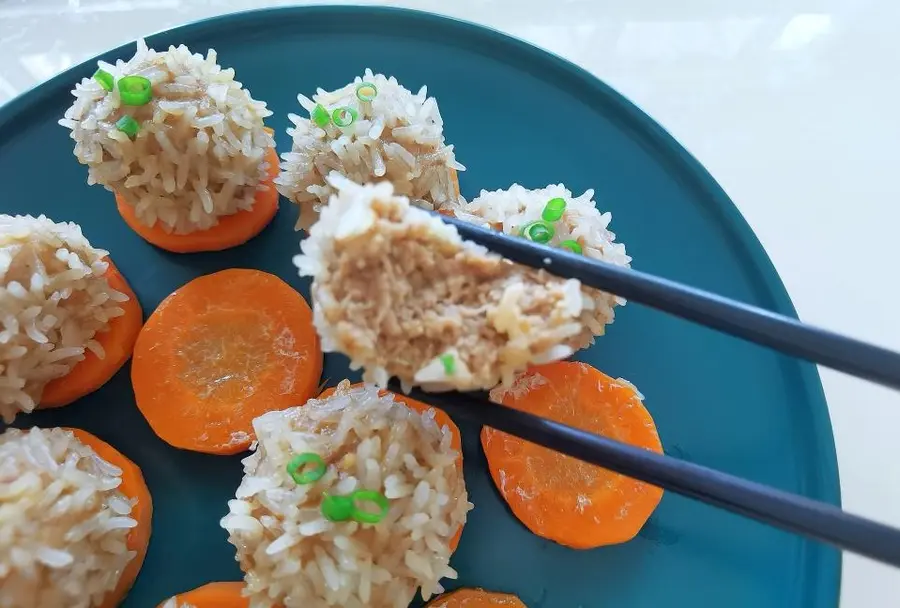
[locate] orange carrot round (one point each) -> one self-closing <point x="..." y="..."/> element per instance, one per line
<point x="92" y="372"/>
<point x="475" y="598"/>
<point x="442" y="420"/>
<point x="133" y="486"/>
<point x="212" y="595"/>
<point x="231" y="231"/>
<point x="220" y="351"/>
<point x="558" y="497"/>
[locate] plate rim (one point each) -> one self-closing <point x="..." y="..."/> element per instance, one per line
<point x="828" y="574"/>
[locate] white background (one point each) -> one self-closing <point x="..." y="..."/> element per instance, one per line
<point x="791" y="104"/>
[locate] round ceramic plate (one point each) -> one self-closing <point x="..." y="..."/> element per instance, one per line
<point x="515" y="114"/>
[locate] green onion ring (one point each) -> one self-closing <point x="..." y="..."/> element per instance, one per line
<point x="128" y="125"/>
<point x="553" y="212"/>
<point x="320" y="116"/>
<point x="308" y="476"/>
<point x="105" y="79"/>
<point x="571" y="245"/>
<point x="538" y="231"/>
<point x="135" y="90"/>
<point x="337" y="508"/>
<point x="366" y="91"/>
<point x="344" y="116"/>
<point x="369" y="496"/>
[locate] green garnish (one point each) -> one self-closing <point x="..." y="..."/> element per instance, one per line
<point x="366" y="91"/>
<point x="129" y="126"/>
<point x="449" y="362"/>
<point x="105" y="79"/>
<point x="344" y="116"/>
<point x="343" y="508"/>
<point x="571" y="245"/>
<point x="337" y="508"/>
<point x="135" y="90"/>
<point x="364" y="516"/>
<point x="538" y="231"/>
<point x="320" y="116"/>
<point x="310" y="475"/>
<point x="553" y="212"/>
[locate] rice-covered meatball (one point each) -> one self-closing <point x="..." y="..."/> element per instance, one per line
<point x="401" y="294"/>
<point x="64" y="525"/>
<point x="54" y="298"/>
<point x="192" y="154"/>
<point x="580" y="227"/>
<point x="295" y="555"/>
<point x="372" y="129"/>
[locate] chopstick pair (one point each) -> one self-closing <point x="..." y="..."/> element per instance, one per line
<point x="791" y="512"/>
<point x="781" y="333"/>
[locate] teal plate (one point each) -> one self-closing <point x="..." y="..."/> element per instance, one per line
<point x="515" y="114"/>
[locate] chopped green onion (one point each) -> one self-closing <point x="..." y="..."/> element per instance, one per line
<point x="135" y="90"/>
<point x="320" y="116"/>
<point x="366" y="91"/>
<point x="337" y="508"/>
<point x="343" y="508"/>
<point x="538" y="231"/>
<point x="571" y="245"/>
<point x="105" y="79"/>
<point x="449" y="362"/>
<point x="129" y="126"/>
<point x="310" y="475"/>
<point x="344" y="116"/>
<point x="553" y="212"/>
<point x="364" y="516"/>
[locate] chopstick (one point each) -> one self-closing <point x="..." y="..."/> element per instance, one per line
<point x="794" y="513"/>
<point x="791" y="512"/>
<point x="750" y="323"/>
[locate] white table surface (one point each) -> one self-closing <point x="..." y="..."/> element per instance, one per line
<point x="791" y="104"/>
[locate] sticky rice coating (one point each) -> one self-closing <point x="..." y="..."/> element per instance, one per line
<point x="64" y="523"/>
<point x="398" y="136"/>
<point x="54" y="298"/>
<point x="513" y="209"/>
<point x="199" y="152"/>
<point x="294" y="556"/>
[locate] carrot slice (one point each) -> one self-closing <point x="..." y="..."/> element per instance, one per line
<point x="231" y="231"/>
<point x="133" y="486"/>
<point x="92" y="372"/>
<point x="442" y="420"/>
<point x="212" y="595"/>
<point x="475" y="598"/>
<point x="220" y="351"/>
<point x="558" y="497"/>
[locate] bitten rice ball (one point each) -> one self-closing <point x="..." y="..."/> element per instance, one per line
<point x="402" y="295"/>
<point x="292" y="551"/>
